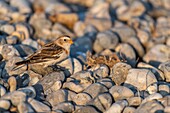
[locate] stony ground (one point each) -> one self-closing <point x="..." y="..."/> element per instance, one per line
<point x="119" y="62"/>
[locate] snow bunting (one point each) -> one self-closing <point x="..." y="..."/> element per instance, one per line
<point x="50" y="54"/>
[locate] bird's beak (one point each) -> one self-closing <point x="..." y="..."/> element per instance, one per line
<point x="71" y="42"/>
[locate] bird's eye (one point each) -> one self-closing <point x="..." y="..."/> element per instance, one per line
<point x="65" y="40"/>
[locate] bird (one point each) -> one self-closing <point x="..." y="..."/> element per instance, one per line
<point x="50" y="54"/>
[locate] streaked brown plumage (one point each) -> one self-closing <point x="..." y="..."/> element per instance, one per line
<point x="50" y="53"/>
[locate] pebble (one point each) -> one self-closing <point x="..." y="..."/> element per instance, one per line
<point x="29" y="91"/>
<point x="4" y="104"/>
<point x="59" y="96"/>
<point x="24" y="107"/>
<point x="157" y="72"/>
<point x="157" y="55"/>
<point x="102" y="102"/>
<point x="7" y="28"/>
<point x="155" y="96"/>
<point x="106" y="82"/>
<point x="117" y="107"/>
<point x="129" y="110"/>
<point x="102" y="71"/>
<point x="50" y="81"/>
<point x="134" y="101"/>
<point x="67" y="107"/>
<point x="105" y="40"/>
<point x="31" y="43"/>
<point x="12" y="83"/>
<point x="2" y="90"/>
<point x="8" y="52"/>
<point x="120" y="92"/>
<point x="11" y="40"/>
<point x="79" y="28"/>
<point x="149" y="107"/>
<point x="86" y="109"/>
<point x="119" y="72"/>
<point x="140" y="78"/>
<point x="95" y="89"/>
<point x="38" y="106"/>
<point x="82" y="98"/>
<point x="164" y="89"/>
<point x="127" y="52"/>
<point x="165" y="68"/>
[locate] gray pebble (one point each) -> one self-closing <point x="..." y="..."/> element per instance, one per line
<point x="102" y="102"/>
<point x="7" y="28"/>
<point x="49" y="81"/>
<point x="165" y="68"/>
<point x="24" y="50"/>
<point x="86" y="109"/>
<point x="102" y="71"/>
<point x="163" y="89"/>
<point x="65" y="107"/>
<point x="149" y="107"/>
<point x="24" y="107"/>
<point x="106" y="82"/>
<point x="120" y="92"/>
<point x="59" y="96"/>
<point x="29" y="91"/>
<point x="155" y="96"/>
<point x="5" y="104"/>
<point x="140" y="78"/>
<point x="8" y="52"/>
<point x="82" y="98"/>
<point x="119" y="72"/>
<point x="117" y="107"/>
<point x="38" y="106"/>
<point x="11" y="40"/>
<point x="134" y="101"/>
<point x="31" y="43"/>
<point x="158" y="54"/>
<point x="129" y="110"/>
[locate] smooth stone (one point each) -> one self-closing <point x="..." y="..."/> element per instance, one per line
<point x="76" y="87"/>
<point x="150" y="107"/>
<point x="165" y="68"/>
<point x="99" y="16"/>
<point x="106" y="82"/>
<point x="140" y="78"/>
<point x="16" y="97"/>
<point x="107" y="40"/>
<point x="72" y="65"/>
<point x="23" y="28"/>
<point x="143" y="36"/>
<point x="23" y="6"/>
<point x="102" y="71"/>
<point x="10" y="64"/>
<point x="127" y="52"/>
<point x="30" y="42"/>
<point x="29" y="91"/>
<point x="38" y="106"/>
<point x="24" y="107"/>
<point x="86" y="109"/>
<point x="8" y="52"/>
<point x="82" y="98"/>
<point x="137" y="45"/>
<point x="168" y="41"/>
<point x="12" y="83"/>
<point x="95" y="89"/>
<point x="79" y="28"/>
<point x="164" y="89"/>
<point x="124" y="32"/>
<point x="119" y="72"/>
<point x="153" y="88"/>
<point x="157" y="72"/>
<point x="134" y="101"/>
<point x="120" y="92"/>
<point x="11" y="40"/>
<point x="66" y="107"/>
<point x="102" y="102"/>
<point x="91" y="31"/>
<point x="24" y="50"/>
<point x="2" y="41"/>
<point x="7" y="28"/>
<point x="2" y="90"/>
<point x="4" y="104"/>
<point x="155" y="96"/>
<point x="157" y="55"/>
<point x="129" y="110"/>
<point x="117" y="107"/>
<point x="167" y="109"/>
<point x="49" y="81"/>
<point x="165" y="101"/>
<point x="59" y="96"/>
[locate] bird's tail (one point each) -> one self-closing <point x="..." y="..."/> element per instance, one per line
<point x="19" y="65"/>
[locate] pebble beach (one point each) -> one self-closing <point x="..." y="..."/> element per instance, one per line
<point x="119" y="62"/>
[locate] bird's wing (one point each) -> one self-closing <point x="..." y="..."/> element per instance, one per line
<point x="45" y="54"/>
